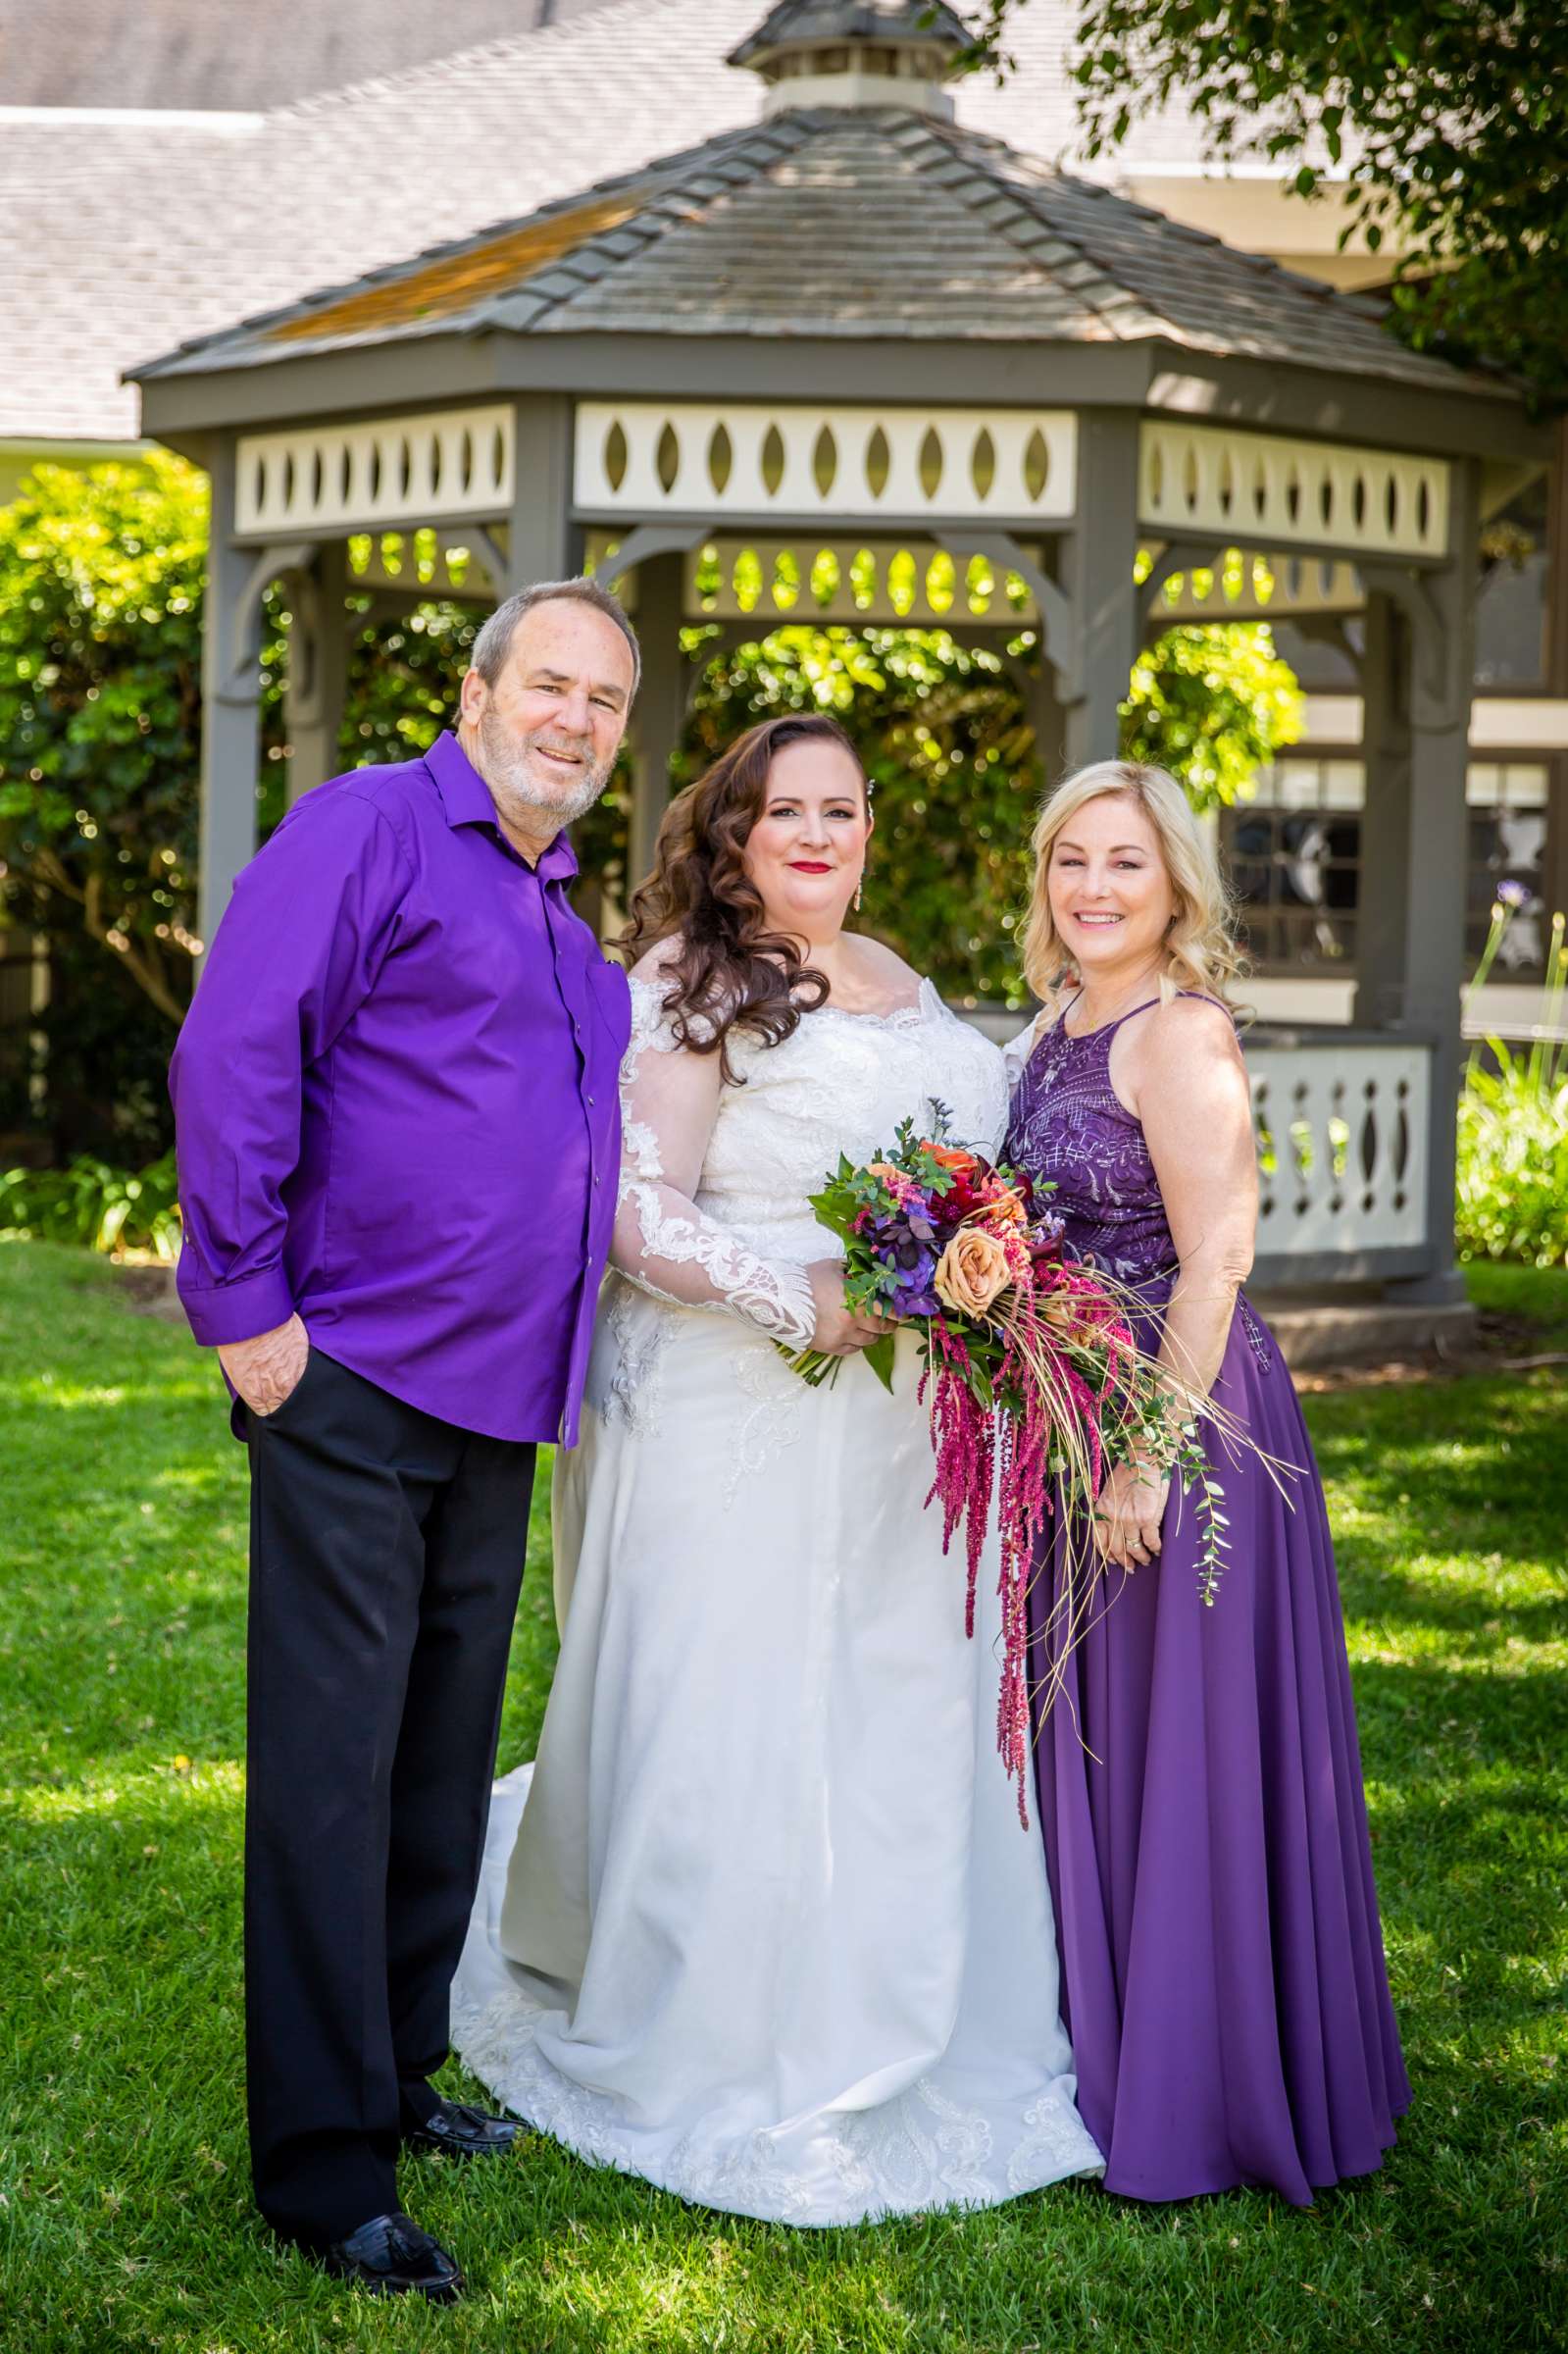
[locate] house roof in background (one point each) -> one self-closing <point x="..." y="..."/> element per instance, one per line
<point x="129" y="237"/>
<point x="237" y="56"/>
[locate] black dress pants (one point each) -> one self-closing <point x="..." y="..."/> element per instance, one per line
<point x="386" y="1553"/>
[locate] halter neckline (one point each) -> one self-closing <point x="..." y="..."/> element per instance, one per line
<point x="1081" y="1038"/>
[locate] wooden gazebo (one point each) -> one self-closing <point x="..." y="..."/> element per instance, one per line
<point x="858" y="364"/>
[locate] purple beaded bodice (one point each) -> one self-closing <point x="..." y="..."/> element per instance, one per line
<point x="1068" y="1130"/>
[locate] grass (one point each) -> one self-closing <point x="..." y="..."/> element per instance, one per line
<point x="124" y="2219"/>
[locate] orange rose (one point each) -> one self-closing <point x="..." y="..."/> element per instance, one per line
<point x="972" y="1271"/>
<point x="951" y="1156"/>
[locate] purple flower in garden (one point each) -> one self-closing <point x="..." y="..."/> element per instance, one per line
<point x="1512" y="894"/>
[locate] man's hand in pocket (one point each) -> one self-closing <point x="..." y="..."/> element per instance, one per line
<point x="267" y="1370"/>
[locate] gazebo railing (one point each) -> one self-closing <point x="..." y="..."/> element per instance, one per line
<point x="1341" y="1119"/>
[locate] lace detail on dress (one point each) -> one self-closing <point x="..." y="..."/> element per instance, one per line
<point x="499" y="2044"/>
<point x="663" y="1241"/>
<point x="773" y="1422"/>
<point x="640" y="1331"/>
<point x="1257" y="1340"/>
<point x="1055" y="2139"/>
<point x="1070" y="1129"/>
<point x="917" y="2151"/>
<point x="920" y="2150"/>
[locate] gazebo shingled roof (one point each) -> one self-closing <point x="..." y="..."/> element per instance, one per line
<point x="836" y="223"/>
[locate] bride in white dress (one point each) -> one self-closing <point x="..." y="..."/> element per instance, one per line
<point x="761" y="1924"/>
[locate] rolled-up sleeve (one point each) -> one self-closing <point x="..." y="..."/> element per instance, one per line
<point x="297" y="952"/>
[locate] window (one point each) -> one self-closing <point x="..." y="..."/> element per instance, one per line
<point x="1507" y="807"/>
<point x="1293" y="857"/>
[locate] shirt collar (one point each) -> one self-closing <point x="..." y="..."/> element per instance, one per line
<point x="466" y="799"/>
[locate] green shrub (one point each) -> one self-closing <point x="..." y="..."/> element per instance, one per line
<point x="107" y="1208"/>
<point x="1511" y="1200"/>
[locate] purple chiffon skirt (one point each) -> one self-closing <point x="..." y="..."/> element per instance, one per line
<point x="1222" y="1976"/>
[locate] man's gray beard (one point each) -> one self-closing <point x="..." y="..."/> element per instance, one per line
<point x="506" y="772"/>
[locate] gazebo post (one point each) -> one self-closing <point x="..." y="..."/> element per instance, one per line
<point x="660" y="714"/>
<point x="231" y="684"/>
<point x="1416" y="679"/>
<point x="1100" y="553"/>
<point x="318" y="669"/>
<point x="1038" y="685"/>
<point x="544" y="541"/>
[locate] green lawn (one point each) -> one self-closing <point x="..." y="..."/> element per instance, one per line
<point x="124" y="2222"/>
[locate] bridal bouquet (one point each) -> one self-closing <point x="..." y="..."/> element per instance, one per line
<point x="1036" y="1384"/>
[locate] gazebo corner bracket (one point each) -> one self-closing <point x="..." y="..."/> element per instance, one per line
<point x="242" y="634"/>
<point x="1440" y="699"/>
<point x="1177" y="557"/>
<point x="651" y="540"/>
<point x="488" y="552"/>
<point x="1002" y="549"/>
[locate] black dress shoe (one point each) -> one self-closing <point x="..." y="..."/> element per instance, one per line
<point x="461" y="2131"/>
<point x="394" y="2258"/>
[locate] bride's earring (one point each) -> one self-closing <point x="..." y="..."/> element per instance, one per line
<point x="860" y="892"/>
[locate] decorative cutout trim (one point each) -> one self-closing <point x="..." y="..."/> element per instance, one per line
<point x="647" y="458"/>
<point x="379" y="472"/>
<point x="1263" y="486"/>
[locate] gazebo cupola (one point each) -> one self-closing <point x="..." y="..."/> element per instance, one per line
<point x="855" y="53"/>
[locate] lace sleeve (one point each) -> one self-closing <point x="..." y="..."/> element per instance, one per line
<point x="663" y="1241"/>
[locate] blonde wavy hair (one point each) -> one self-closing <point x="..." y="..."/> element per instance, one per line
<point x="1200" y="950"/>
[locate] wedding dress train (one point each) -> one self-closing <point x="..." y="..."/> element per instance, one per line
<point x="762" y="1924"/>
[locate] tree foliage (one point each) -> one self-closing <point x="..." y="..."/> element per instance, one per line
<point x="1213" y="705"/>
<point x="100" y="712"/>
<point x="1450" y="119"/>
<point x="102" y="573"/>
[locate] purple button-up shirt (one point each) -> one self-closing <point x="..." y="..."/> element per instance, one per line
<point x="396" y="1105"/>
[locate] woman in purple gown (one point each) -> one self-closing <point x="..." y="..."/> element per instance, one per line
<point x="1199" y="1785"/>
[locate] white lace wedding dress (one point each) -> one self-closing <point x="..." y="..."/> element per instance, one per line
<point x="762" y="1924"/>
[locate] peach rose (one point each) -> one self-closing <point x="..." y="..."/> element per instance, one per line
<point x="972" y="1271"/>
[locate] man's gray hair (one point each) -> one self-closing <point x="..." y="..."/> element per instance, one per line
<point x="495" y="642"/>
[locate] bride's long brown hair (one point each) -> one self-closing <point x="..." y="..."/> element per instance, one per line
<point x="725" y="970"/>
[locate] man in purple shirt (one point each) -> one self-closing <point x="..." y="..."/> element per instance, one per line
<point x="398" y="1135"/>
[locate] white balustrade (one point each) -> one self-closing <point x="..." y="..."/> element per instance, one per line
<point x="429" y="562"/>
<point x="377" y="471"/>
<point x="650" y="458"/>
<point x="1342" y="1137"/>
<point x="1255" y="585"/>
<point x="1204" y="478"/>
<point x="912" y="584"/>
